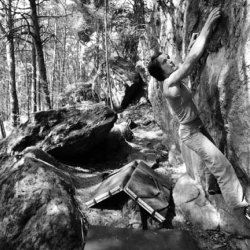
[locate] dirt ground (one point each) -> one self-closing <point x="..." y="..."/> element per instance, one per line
<point x="146" y="145"/>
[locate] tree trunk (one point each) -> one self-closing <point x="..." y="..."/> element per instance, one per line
<point x="34" y="82"/>
<point x="54" y="68"/>
<point x="139" y="12"/>
<point x="107" y="54"/>
<point x="40" y="55"/>
<point x="27" y="86"/>
<point x="12" y="80"/>
<point x="77" y="73"/>
<point x="39" y="90"/>
<point x="12" y="68"/>
<point x="62" y="65"/>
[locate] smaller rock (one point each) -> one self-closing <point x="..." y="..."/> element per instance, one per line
<point x="68" y="133"/>
<point x="38" y="209"/>
<point x="174" y="156"/>
<point x="122" y="130"/>
<point x="185" y="190"/>
<point x="190" y="200"/>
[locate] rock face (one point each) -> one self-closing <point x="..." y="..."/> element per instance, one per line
<point x="38" y="209"/>
<point x="190" y="199"/>
<point x="65" y="133"/>
<point x="220" y="82"/>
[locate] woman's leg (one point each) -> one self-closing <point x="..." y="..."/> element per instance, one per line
<point x="220" y="167"/>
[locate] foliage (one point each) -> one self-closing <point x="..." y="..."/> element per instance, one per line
<point x="72" y="33"/>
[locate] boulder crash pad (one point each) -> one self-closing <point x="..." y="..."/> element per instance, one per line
<point x="139" y="182"/>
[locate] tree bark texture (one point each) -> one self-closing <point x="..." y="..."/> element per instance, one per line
<point x="107" y="54"/>
<point x="12" y="68"/>
<point x="53" y="78"/>
<point x="34" y="81"/>
<point x="62" y="71"/>
<point x="40" y="55"/>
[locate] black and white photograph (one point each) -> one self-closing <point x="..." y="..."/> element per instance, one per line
<point x="124" y="124"/>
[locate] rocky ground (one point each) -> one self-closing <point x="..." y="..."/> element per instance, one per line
<point x="147" y="144"/>
<point x="79" y="180"/>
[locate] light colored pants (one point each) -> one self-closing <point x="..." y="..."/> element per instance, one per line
<point x="217" y="164"/>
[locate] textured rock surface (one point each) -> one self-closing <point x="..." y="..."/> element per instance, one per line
<point x="38" y="210"/>
<point x="63" y="133"/>
<point x="220" y="82"/>
<point x="209" y="212"/>
<point x="189" y="198"/>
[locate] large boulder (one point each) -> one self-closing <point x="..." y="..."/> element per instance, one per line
<point x="38" y="209"/>
<point x="220" y="83"/>
<point x="191" y="201"/>
<point x="66" y="133"/>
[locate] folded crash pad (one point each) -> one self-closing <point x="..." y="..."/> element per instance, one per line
<point x="107" y="238"/>
<point x="138" y="181"/>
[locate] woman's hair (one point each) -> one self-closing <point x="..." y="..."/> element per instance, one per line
<point x="154" y="68"/>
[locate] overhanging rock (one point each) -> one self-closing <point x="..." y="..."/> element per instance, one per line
<point x="139" y="182"/>
<point x="68" y="134"/>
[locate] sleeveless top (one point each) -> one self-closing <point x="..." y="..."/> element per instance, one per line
<point x="183" y="105"/>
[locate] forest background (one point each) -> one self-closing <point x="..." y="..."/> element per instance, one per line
<point x="53" y="48"/>
<point x="60" y="53"/>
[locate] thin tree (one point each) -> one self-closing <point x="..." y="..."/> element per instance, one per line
<point x="34" y="81"/>
<point x="62" y="65"/>
<point x="10" y="54"/>
<point x="53" y="71"/>
<point x="107" y="53"/>
<point x="39" y="53"/>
